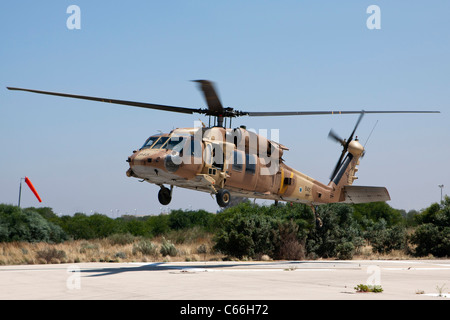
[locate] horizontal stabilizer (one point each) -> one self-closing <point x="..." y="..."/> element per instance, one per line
<point x="360" y="194"/>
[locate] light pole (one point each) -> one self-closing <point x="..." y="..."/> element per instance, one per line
<point x="442" y="187"/>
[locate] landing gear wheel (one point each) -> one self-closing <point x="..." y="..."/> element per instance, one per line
<point x="164" y="196"/>
<point x="223" y="198"/>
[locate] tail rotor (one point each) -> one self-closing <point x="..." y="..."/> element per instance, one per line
<point x="345" y="143"/>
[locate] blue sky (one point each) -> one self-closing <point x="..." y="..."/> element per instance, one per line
<point x="263" y="56"/>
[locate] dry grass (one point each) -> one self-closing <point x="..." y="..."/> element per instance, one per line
<point x="102" y="250"/>
<point x="131" y="250"/>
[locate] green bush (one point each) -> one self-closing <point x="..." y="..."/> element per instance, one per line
<point x="158" y="225"/>
<point x="368" y="288"/>
<point x="96" y="226"/>
<point x="340" y="236"/>
<point x="146" y="248"/>
<point x="285" y="231"/>
<point x="375" y="211"/>
<point x="345" y="250"/>
<point x="385" y="239"/>
<point x="27" y="225"/>
<point x="431" y="239"/>
<point x="433" y="235"/>
<point x="121" y="239"/>
<point x="168" y="248"/>
<point x="250" y="234"/>
<point x="181" y="219"/>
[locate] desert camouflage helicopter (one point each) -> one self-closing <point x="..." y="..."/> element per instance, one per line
<point x="226" y="162"/>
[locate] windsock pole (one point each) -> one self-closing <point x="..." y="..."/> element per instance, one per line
<point x="20" y="190"/>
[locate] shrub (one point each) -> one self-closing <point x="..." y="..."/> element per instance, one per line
<point x="51" y="255"/>
<point x="202" y="249"/>
<point x="4" y="232"/>
<point x="146" y="248"/>
<point x="86" y="246"/>
<point x="121" y="239"/>
<point x="168" y="248"/>
<point x="345" y="250"/>
<point x="385" y="239"/>
<point x="27" y="225"/>
<point x="287" y="245"/>
<point x="375" y="211"/>
<point x="249" y="234"/>
<point x="340" y="236"/>
<point x="180" y="219"/>
<point x="368" y="288"/>
<point x="158" y="225"/>
<point x="120" y="255"/>
<point x="431" y="239"/>
<point x="433" y="236"/>
<point x="187" y="236"/>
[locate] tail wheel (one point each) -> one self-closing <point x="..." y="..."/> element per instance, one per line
<point x="223" y="198"/>
<point x="164" y="196"/>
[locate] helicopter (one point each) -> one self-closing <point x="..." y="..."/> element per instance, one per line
<point x="235" y="162"/>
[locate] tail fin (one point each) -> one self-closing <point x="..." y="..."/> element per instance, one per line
<point x="360" y="194"/>
<point x="342" y="181"/>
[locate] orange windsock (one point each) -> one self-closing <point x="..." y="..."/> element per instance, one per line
<point x="32" y="188"/>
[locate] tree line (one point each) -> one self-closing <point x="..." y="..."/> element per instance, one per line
<point x="285" y="231"/>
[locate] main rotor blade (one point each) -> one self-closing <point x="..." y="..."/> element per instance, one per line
<point x="356" y="126"/>
<point x="210" y="95"/>
<point x="122" y="102"/>
<point x="309" y="113"/>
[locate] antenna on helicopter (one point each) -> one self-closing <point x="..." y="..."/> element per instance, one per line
<point x="370" y="134"/>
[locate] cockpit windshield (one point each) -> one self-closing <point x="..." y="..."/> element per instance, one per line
<point x="160" y="143"/>
<point x="175" y="142"/>
<point x="150" y="141"/>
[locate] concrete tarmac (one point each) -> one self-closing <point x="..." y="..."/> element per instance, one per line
<point x="272" y="280"/>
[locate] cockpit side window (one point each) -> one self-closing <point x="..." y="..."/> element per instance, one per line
<point x="176" y="143"/>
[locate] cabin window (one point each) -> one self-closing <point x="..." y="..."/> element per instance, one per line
<point x="218" y="157"/>
<point x="238" y="161"/>
<point x="196" y="148"/>
<point x="250" y="163"/>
